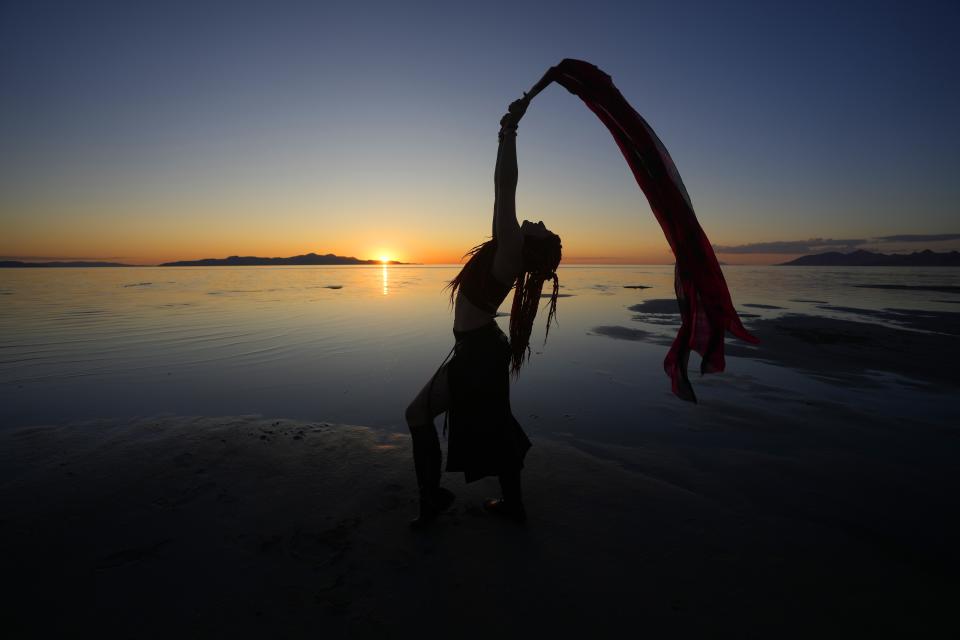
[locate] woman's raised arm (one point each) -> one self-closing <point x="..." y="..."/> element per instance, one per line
<point x="506" y="229"/>
<point x="505" y="173"/>
<point x="505" y="225"/>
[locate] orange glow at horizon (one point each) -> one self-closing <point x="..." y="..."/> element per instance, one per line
<point x="451" y="251"/>
<point x="147" y="241"/>
<point x="165" y="229"/>
<point x="140" y="244"/>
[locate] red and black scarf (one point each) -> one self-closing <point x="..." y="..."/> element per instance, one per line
<point x="706" y="309"/>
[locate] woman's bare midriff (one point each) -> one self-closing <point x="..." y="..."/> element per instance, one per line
<point x="467" y="316"/>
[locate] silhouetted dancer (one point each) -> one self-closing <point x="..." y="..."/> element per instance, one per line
<point x="473" y="387"/>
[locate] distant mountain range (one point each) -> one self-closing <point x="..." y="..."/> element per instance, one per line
<point x="863" y="258"/>
<point x="232" y="261"/>
<point x="246" y="261"/>
<point x="16" y="264"/>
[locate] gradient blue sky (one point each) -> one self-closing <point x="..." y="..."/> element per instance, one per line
<point x="183" y="130"/>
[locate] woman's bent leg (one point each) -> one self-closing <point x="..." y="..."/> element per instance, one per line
<point x="427" y="457"/>
<point x="432" y="400"/>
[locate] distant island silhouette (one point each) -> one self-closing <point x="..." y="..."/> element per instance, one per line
<point x="16" y="264"/>
<point x="863" y="258"/>
<point x="232" y="261"/>
<point x="246" y="261"/>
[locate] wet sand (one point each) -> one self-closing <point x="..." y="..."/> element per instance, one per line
<point x="735" y="526"/>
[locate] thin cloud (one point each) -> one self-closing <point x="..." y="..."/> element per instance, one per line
<point x="792" y="246"/>
<point x="819" y="245"/>
<point x="62" y="258"/>
<point x="908" y="237"/>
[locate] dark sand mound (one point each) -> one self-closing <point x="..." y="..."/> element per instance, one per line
<point x="660" y="311"/>
<point x="842" y="351"/>
<point x="918" y="319"/>
<point x="849" y="351"/>
<point x="622" y="333"/>
<point x="659" y="306"/>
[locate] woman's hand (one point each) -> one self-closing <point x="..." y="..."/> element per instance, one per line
<point x="514" y="112"/>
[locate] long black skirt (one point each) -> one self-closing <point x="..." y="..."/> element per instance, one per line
<point x="484" y="437"/>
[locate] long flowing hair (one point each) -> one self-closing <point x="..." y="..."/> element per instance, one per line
<point x="541" y="257"/>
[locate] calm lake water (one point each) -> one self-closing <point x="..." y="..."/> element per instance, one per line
<point x="354" y="344"/>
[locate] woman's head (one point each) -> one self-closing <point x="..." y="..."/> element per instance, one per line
<point x="541" y="248"/>
<point x="541" y="255"/>
<point x="534" y="229"/>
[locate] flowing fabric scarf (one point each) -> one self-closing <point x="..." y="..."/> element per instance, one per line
<point x="705" y="306"/>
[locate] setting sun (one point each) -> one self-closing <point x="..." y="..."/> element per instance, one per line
<point x="384" y="259"/>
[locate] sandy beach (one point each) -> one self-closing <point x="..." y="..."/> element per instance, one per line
<point x="257" y="527"/>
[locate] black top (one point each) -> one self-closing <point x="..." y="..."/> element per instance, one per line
<point x="485" y="292"/>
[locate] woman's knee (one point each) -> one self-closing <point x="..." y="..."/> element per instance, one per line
<point x="416" y="414"/>
<point x="430" y="402"/>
